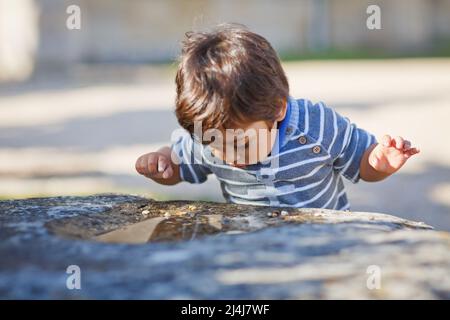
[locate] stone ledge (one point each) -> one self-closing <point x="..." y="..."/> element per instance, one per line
<point x="206" y="250"/>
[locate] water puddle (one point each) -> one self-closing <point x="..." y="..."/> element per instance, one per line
<point x="154" y="221"/>
<point x="182" y="228"/>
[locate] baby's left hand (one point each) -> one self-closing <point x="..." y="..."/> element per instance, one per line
<point x="391" y="154"/>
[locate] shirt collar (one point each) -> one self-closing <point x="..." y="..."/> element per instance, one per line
<point x="288" y="125"/>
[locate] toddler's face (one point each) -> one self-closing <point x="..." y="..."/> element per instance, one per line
<point x="240" y="147"/>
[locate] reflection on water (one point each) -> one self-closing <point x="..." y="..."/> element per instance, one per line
<point x="181" y="228"/>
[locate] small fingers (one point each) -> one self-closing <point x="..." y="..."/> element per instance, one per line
<point x="386" y="140"/>
<point x="168" y="173"/>
<point x="162" y="164"/>
<point x="164" y="167"/>
<point x="406" y="145"/>
<point x="141" y="165"/>
<point x="412" y="151"/>
<point x="152" y="163"/>
<point x="399" y="142"/>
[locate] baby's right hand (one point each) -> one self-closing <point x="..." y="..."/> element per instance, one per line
<point x="154" y="165"/>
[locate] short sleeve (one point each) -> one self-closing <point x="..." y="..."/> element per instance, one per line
<point x="188" y="153"/>
<point x="348" y="147"/>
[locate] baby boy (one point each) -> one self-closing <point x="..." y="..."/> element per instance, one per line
<point x="264" y="146"/>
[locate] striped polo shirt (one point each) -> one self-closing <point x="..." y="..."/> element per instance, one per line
<point x="314" y="149"/>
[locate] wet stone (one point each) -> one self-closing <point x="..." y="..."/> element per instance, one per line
<point x="164" y="221"/>
<point x="133" y="247"/>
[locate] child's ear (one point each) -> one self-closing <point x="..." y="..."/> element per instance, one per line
<point x="282" y="112"/>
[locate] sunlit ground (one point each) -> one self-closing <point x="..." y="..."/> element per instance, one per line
<point x="82" y="134"/>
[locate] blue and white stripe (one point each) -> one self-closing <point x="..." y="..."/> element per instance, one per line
<point x="302" y="178"/>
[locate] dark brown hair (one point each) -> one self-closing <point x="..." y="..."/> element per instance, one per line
<point x="226" y="77"/>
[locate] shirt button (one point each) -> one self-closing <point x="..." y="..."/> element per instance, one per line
<point x="288" y="130"/>
<point x="302" y="139"/>
<point x="316" y="149"/>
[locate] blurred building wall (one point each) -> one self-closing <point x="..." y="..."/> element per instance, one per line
<point x="150" y="30"/>
<point x="18" y="38"/>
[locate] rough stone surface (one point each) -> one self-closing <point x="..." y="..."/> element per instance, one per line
<point x="213" y="251"/>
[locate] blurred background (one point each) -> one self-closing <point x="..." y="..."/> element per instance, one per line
<point x="77" y="107"/>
